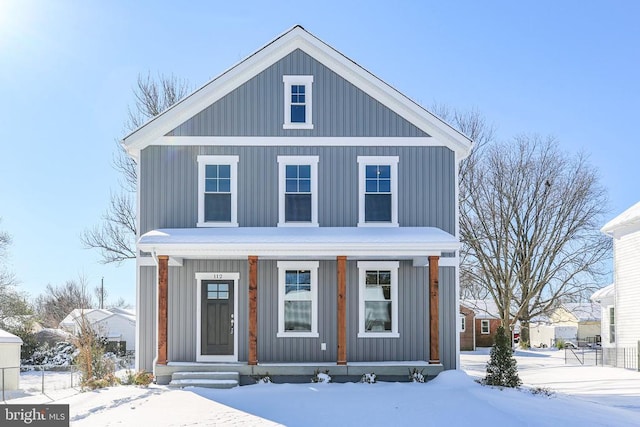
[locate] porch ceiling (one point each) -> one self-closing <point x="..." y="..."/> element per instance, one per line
<point x="302" y="242"/>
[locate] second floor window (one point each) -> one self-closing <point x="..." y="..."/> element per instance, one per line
<point x="298" y="203"/>
<point x="378" y="191"/>
<point x="298" y="102"/>
<point x="217" y="191"/>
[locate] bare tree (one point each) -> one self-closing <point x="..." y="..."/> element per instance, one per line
<point x="7" y="278"/>
<point x="58" y="301"/>
<point x="115" y="236"/>
<point x="529" y="221"/>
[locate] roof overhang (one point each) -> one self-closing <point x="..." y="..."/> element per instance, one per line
<point x="153" y="132"/>
<point x="625" y="223"/>
<point x="299" y="242"/>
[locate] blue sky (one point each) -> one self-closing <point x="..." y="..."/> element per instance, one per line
<point x="570" y="69"/>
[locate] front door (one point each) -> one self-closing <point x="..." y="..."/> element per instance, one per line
<point x="217" y="317"/>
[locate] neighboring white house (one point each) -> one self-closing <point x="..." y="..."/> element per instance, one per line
<point x="9" y="360"/>
<point x="625" y="332"/>
<point x="115" y="324"/>
<point x="606" y="298"/>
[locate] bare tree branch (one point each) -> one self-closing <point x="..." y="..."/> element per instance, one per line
<point x="115" y="236"/>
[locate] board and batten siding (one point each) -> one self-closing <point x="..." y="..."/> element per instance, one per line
<point x="627" y="285"/>
<point x="256" y="108"/>
<point x="169" y="185"/>
<point x="413" y="326"/>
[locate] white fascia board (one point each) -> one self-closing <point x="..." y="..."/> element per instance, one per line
<point x="296" y="38"/>
<point x="297" y="249"/>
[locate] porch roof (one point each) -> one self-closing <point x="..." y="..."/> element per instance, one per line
<point x="303" y="242"/>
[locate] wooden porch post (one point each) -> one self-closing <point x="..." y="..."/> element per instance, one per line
<point x="253" y="310"/>
<point x="163" y="291"/>
<point x="434" y="324"/>
<point x="342" y="310"/>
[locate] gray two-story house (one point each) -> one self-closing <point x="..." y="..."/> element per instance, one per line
<point x="296" y="213"/>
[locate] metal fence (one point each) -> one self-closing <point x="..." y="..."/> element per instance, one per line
<point x="621" y="357"/>
<point x="37" y="379"/>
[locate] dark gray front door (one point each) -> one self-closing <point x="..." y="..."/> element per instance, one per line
<point x="217" y="317"/>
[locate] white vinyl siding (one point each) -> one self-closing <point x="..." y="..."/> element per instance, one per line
<point x="627" y="283"/>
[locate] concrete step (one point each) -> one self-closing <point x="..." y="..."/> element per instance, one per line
<point x="206" y="375"/>
<point x="205" y="379"/>
<point x="206" y="383"/>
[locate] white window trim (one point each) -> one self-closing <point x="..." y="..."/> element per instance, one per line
<point x="283" y="161"/>
<point x="216" y="276"/>
<point x="312" y="266"/>
<point x="203" y="161"/>
<point x="307" y="81"/>
<point x="392" y="161"/>
<point x="392" y="266"/>
<point x="485" y="322"/>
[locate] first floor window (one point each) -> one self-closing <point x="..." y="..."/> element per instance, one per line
<point x="298" y="309"/>
<point x="612" y="325"/>
<point x="378" y="298"/>
<point x="484" y="326"/>
<point x="217" y="191"/>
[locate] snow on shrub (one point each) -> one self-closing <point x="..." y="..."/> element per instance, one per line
<point x="368" y="378"/>
<point x="321" y="377"/>
<point x="416" y="376"/>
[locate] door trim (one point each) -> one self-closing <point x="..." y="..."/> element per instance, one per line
<point x="216" y="276"/>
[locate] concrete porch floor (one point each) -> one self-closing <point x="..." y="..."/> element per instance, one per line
<point x="302" y="372"/>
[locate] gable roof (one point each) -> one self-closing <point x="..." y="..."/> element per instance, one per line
<point x="296" y="38"/>
<point x="625" y="223"/>
<point x="583" y="311"/>
<point x="484" y="308"/>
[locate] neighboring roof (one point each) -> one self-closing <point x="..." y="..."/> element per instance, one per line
<point x="606" y="293"/>
<point x="9" y="338"/>
<point x="484" y="308"/>
<point x="129" y="317"/>
<point x="241" y="242"/>
<point x="91" y="314"/>
<point x="296" y="38"/>
<point x="584" y="311"/>
<point x="120" y="310"/>
<point x="625" y="223"/>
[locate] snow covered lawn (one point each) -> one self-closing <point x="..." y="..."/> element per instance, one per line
<point x="588" y="396"/>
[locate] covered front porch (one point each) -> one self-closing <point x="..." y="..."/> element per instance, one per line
<point x="256" y="248"/>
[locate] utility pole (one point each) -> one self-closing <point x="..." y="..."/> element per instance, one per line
<point x="102" y="293"/>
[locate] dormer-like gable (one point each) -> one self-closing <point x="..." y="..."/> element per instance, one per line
<point x="297" y="86"/>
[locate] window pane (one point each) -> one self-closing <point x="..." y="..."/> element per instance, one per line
<point x="304" y="186"/>
<point x="211" y="185"/>
<point x="297" y="207"/>
<point x="211" y="171"/>
<point x="372" y="186"/>
<point x="377" y="207"/>
<point x="384" y="171"/>
<point x="212" y="287"/>
<point x="384" y="277"/>
<point x="377" y="316"/>
<point x="291" y="171"/>
<point x="371" y="171"/>
<point x="372" y="278"/>
<point x="384" y="186"/>
<point x="292" y="186"/>
<point x="224" y="185"/>
<point x="298" y="113"/>
<point x="305" y="171"/>
<point x="217" y="207"/>
<point x="223" y="295"/>
<point x="297" y="316"/>
<point x="224" y="171"/>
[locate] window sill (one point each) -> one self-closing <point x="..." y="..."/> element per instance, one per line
<point x="297" y="126"/>
<point x="378" y="335"/>
<point x="298" y="335"/>
<point x="217" y="224"/>
<point x="298" y="224"/>
<point x="378" y="224"/>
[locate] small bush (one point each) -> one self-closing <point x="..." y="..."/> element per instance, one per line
<point x="140" y="378"/>
<point x="106" y="381"/>
<point x="61" y="354"/>
<point x="262" y="379"/>
<point x="416" y="376"/>
<point x="560" y="344"/>
<point x="368" y="378"/>
<point x="321" y="377"/>
<point x="544" y="391"/>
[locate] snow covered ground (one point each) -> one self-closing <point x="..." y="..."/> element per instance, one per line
<point x="586" y="396"/>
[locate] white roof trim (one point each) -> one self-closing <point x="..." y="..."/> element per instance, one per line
<point x="296" y="38"/>
<point x="625" y="223"/>
<point x="293" y="243"/>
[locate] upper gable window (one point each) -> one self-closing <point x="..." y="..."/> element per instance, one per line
<point x="298" y="96"/>
<point x="217" y="191"/>
<point x="298" y="198"/>
<point x="378" y="184"/>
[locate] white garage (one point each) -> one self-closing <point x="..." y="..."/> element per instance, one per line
<point x="9" y="361"/>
